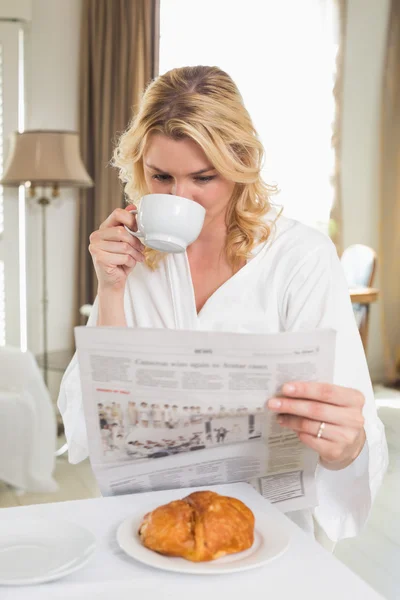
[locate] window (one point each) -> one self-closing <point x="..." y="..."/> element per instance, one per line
<point x="281" y="54"/>
<point x="12" y="296"/>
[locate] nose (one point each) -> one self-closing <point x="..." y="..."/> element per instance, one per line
<point x="180" y="188"/>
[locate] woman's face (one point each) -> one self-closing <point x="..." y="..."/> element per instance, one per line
<point x="180" y="167"/>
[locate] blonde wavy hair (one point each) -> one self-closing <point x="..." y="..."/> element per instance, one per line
<point x="203" y="103"/>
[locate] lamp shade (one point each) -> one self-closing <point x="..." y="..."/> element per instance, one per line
<point x="45" y="157"/>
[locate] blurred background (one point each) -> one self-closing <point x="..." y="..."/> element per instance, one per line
<point x="321" y="80"/>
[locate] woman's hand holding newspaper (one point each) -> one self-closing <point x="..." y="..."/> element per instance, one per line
<point x="327" y="418"/>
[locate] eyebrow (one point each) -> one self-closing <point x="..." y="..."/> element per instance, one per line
<point x="196" y="173"/>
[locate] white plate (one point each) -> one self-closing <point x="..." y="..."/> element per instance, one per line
<point x="35" y="551"/>
<point x="270" y="541"/>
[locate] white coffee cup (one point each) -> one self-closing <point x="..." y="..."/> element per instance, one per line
<point x="168" y="223"/>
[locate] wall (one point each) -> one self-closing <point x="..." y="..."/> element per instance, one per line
<point x="52" y="59"/>
<point x="52" y="54"/>
<point x="16" y="9"/>
<point x="366" y="37"/>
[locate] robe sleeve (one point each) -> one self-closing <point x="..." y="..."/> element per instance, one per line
<point x="70" y="396"/>
<point x="317" y="296"/>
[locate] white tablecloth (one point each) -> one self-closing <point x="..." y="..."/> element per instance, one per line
<point x="304" y="571"/>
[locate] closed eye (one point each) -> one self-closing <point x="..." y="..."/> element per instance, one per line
<point x="161" y="177"/>
<point x="164" y="177"/>
<point x="205" y="178"/>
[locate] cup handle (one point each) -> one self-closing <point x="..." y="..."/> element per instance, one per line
<point x="134" y="233"/>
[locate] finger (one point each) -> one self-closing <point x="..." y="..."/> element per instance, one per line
<point x="120" y="216"/>
<point x="317" y="411"/>
<point x="116" y="234"/>
<point x="106" y="259"/>
<point x="328" y="450"/>
<point x="304" y="425"/>
<point x="334" y="433"/>
<point x="102" y="253"/>
<point x="324" y="392"/>
<point x="115" y="248"/>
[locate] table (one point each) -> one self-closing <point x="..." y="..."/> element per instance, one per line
<point x="364" y="295"/>
<point x="306" y="570"/>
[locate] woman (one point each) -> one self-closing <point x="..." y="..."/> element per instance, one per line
<point x="250" y="270"/>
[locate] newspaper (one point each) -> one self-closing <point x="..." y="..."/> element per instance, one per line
<point x="168" y="409"/>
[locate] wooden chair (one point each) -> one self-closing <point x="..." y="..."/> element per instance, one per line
<point x="359" y="264"/>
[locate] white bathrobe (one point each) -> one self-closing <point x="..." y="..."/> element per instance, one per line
<point x="292" y="282"/>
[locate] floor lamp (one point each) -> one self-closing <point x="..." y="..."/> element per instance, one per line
<point x="48" y="160"/>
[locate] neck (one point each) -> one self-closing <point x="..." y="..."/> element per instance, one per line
<point x="211" y="241"/>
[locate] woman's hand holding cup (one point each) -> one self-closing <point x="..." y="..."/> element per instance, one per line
<point x="114" y="251"/>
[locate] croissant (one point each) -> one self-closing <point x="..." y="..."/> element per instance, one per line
<point x="201" y="527"/>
